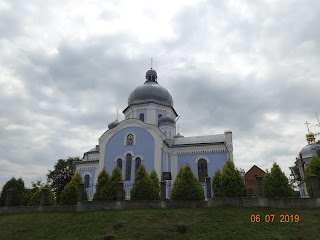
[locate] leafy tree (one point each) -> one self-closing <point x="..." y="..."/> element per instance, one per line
<point x="18" y="195"/>
<point x="113" y="184"/>
<point x="232" y="184"/>
<point x="186" y="186"/>
<point x="276" y="184"/>
<point x="36" y="197"/>
<point x="70" y="192"/>
<point x="101" y="192"/>
<point x="216" y="184"/>
<point x="61" y="175"/>
<point x="155" y="185"/>
<point x="312" y="168"/>
<point x="142" y="187"/>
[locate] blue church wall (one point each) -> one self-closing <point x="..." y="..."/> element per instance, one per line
<point x="144" y="146"/>
<point x="92" y="172"/>
<point x="217" y="160"/>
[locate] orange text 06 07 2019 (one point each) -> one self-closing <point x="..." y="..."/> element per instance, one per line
<point x="269" y="218"/>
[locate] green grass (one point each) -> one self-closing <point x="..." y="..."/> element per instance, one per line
<point x="152" y="224"/>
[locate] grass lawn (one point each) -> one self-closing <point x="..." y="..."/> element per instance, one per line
<point x="152" y="224"/>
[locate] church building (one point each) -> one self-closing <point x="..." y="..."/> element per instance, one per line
<point x="304" y="158"/>
<point x="148" y="136"/>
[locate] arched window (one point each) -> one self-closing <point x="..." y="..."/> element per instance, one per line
<point x="128" y="167"/>
<point x="86" y="181"/>
<point x="159" y="116"/>
<point x="141" y="117"/>
<point x="202" y="170"/>
<point x="119" y="163"/>
<point x="129" y="140"/>
<point x="138" y="163"/>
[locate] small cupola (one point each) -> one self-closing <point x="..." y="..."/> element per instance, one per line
<point x="151" y="75"/>
<point x="113" y="124"/>
<point x="310" y="138"/>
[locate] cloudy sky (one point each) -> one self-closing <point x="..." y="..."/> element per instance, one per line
<point x="67" y="66"/>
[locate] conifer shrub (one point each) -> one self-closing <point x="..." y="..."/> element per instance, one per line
<point x="142" y="187"/>
<point x="232" y="184"/>
<point x="101" y="192"/>
<point x="112" y="187"/>
<point x="276" y="184"/>
<point x="155" y="185"/>
<point x="313" y="168"/>
<point x="186" y="186"/>
<point x="216" y="184"/>
<point x="70" y="192"/>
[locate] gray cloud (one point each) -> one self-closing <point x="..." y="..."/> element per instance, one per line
<point x="252" y="68"/>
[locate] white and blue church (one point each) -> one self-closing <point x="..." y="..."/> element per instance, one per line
<point x="148" y="136"/>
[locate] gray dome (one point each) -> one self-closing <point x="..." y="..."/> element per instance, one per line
<point x="113" y="124"/>
<point x="166" y="120"/>
<point x="309" y="150"/>
<point x="150" y="91"/>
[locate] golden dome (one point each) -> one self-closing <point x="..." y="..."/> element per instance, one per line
<point x="309" y="135"/>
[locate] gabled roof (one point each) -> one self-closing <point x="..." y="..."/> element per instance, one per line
<point x="255" y="167"/>
<point x="195" y="140"/>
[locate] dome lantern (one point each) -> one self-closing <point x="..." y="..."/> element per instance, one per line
<point x="310" y="138"/>
<point x="151" y="75"/>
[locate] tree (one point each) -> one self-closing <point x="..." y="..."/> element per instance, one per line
<point x="186" y="186"/>
<point x="276" y="184"/>
<point x="18" y="195"/>
<point x="155" y="185"/>
<point x="313" y="168"/>
<point x="30" y="191"/>
<point x="61" y="175"/>
<point x="216" y="184"/>
<point x="69" y="194"/>
<point x="142" y="187"/>
<point x="101" y="192"/>
<point x="112" y="188"/>
<point x="232" y="184"/>
<point x="36" y="197"/>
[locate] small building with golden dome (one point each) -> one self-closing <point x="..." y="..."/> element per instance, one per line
<point x="302" y="161"/>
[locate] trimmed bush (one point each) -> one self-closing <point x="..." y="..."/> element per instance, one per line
<point x="216" y="184"/>
<point x="155" y="185"/>
<point x="312" y="168"/>
<point x="101" y="192"/>
<point x="232" y="184"/>
<point x="276" y="184"/>
<point x="70" y="192"/>
<point x="186" y="186"/>
<point x="142" y="187"/>
<point x="113" y="184"/>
